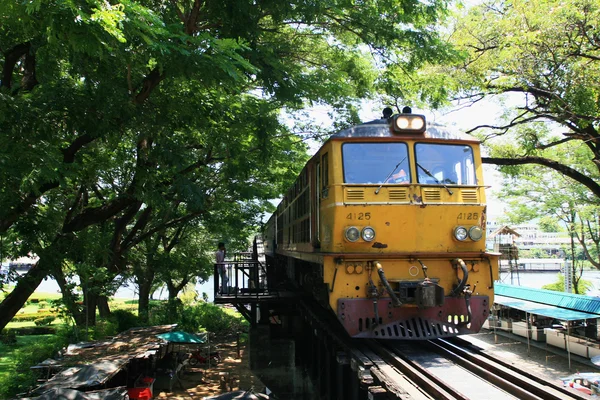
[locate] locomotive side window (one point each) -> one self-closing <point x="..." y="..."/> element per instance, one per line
<point x="449" y="164"/>
<point x="376" y="163"/>
<point x="325" y="170"/>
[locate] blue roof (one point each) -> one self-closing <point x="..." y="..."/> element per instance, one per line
<point x="587" y="305"/>
<point x="562" y="314"/>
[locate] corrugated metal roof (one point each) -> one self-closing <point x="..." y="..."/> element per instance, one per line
<point x="532" y="307"/>
<point x="576" y="302"/>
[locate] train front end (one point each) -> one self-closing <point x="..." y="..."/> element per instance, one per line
<point x="402" y="231"/>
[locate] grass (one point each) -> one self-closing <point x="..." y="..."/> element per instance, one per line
<point x="7" y="353"/>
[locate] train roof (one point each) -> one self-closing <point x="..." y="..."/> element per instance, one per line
<point x="380" y="128"/>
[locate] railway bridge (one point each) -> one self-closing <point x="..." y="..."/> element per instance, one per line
<point x="292" y="334"/>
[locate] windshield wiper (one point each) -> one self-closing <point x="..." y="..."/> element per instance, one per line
<point x="434" y="178"/>
<point x="390" y="174"/>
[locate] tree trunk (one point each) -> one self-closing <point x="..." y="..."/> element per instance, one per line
<point x="103" y="307"/>
<point x="69" y="299"/>
<point x="145" y="288"/>
<point x="173" y="291"/>
<point x="25" y="287"/>
<point x="90" y="302"/>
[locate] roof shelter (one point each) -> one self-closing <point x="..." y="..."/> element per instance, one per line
<point x="89" y="366"/>
<point x="547" y="303"/>
<point x="119" y="393"/>
<point x="545" y="310"/>
<point x="574" y="302"/>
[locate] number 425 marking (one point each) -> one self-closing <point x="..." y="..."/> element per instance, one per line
<point x="359" y="216"/>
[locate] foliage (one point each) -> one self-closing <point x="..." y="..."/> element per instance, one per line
<point x="8" y="337"/>
<point x="34" y="316"/>
<point x="124" y="319"/>
<point x="104" y="329"/>
<point x="201" y="317"/>
<point x="583" y="286"/>
<point x="21" y="378"/>
<point x="540" y="60"/>
<point x="534" y="253"/>
<point x="122" y="123"/>
<point x="217" y="320"/>
<point x="44" y="321"/>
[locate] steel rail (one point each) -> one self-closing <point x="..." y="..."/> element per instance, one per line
<point x="514" y="380"/>
<point x="418" y="374"/>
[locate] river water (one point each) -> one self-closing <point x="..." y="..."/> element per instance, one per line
<point x="533" y="280"/>
<point x="130" y="292"/>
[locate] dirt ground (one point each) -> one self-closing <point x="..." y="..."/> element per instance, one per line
<point x="232" y="373"/>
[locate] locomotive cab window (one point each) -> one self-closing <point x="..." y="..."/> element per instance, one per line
<point x="447" y="164"/>
<point x="376" y="163"/>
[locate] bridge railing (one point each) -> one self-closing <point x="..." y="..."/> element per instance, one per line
<point x="246" y="277"/>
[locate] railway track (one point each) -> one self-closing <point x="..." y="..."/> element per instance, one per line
<point x="444" y="369"/>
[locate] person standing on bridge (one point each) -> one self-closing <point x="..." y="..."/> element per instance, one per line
<point x="220" y="258"/>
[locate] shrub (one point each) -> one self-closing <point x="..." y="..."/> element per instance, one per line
<point x="202" y="316"/>
<point x="105" y="328"/>
<point x="44" y="321"/>
<point x="124" y="320"/>
<point x="8" y="337"/>
<point x="33" y="316"/>
<point x="214" y="319"/>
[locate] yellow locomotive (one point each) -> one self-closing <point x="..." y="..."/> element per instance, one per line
<point x="385" y="226"/>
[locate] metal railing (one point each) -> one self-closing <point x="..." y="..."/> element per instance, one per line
<point x="246" y="277"/>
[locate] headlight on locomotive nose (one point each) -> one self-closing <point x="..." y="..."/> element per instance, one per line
<point x="352" y="234"/>
<point x="460" y="233"/>
<point x="368" y="234"/>
<point x="475" y="233"/>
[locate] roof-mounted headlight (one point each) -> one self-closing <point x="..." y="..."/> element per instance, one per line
<point x="352" y="234"/>
<point x="408" y="123"/>
<point x="460" y="233"/>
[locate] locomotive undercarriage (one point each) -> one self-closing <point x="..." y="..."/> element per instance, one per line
<point x="411" y="322"/>
<point x="413" y="309"/>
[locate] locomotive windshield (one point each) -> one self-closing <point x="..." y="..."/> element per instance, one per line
<point x="376" y="163"/>
<point x="449" y="164"/>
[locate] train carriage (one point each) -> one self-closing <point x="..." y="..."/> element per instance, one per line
<point x="385" y="226"/>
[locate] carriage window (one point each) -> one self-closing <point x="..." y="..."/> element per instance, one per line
<point x="449" y="164"/>
<point x="376" y="163"/>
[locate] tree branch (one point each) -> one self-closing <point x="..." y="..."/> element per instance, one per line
<point x="10" y="60"/>
<point x="563" y="169"/>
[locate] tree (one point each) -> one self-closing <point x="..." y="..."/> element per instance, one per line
<point x="581" y="285"/>
<point x="135" y="117"/>
<point x="545" y="54"/>
<point x="533" y="193"/>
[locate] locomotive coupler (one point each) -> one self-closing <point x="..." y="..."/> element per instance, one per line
<point x="429" y="294"/>
<point x="373" y="293"/>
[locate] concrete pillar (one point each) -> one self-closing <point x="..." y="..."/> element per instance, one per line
<point x="342" y="373"/>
